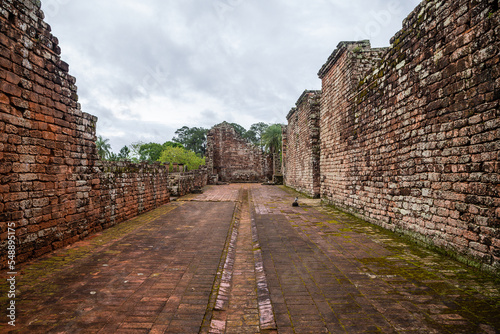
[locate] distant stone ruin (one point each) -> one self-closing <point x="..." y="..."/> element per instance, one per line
<point x="231" y="158"/>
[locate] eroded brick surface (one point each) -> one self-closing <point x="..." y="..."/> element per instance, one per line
<point x="302" y="153"/>
<point x="157" y="276"/>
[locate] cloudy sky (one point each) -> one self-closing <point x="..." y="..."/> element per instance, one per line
<point x="146" y="68"/>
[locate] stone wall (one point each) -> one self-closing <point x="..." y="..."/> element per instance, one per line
<point x="183" y="183"/>
<point x="53" y="188"/>
<point x="302" y="156"/>
<point x="413" y="144"/>
<point x="124" y="191"/>
<point x="231" y="158"/>
<point x="46" y="143"/>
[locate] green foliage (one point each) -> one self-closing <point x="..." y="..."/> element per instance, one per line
<point x="183" y="156"/>
<point x="259" y="129"/>
<point x="194" y="139"/>
<point x="134" y="151"/>
<point x="113" y="157"/>
<point x="254" y="135"/>
<point x="239" y="129"/>
<point x="271" y="138"/>
<point x="357" y="49"/>
<point x="251" y="136"/>
<point x="148" y="151"/>
<point x="124" y="153"/>
<point x="103" y="148"/>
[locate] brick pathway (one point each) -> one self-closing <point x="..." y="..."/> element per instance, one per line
<point x="331" y="273"/>
<point x="238" y="311"/>
<point x="241" y="259"/>
<point x="155" y="277"/>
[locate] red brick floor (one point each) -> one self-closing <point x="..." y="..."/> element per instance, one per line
<point x="323" y="272"/>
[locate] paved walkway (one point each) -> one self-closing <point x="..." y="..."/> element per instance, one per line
<point x="241" y="259"/>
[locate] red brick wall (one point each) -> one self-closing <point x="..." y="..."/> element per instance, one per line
<point x="414" y="146"/>
<point x="53" y="188"/>
<point x="301" y="159"/>
<point x="183" y="183"/>
<point x="340" y="78"/>
<point x="125" y="190"/>
<point x="231" y="158"/>
<point x="46" y="142"/>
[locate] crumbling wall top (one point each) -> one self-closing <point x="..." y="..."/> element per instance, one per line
<point x="341" y="48"/>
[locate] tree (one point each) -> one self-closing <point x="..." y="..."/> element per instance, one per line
<point x="152" y="151"/>
<point x="112" y="156"/>
<point x="124" y="153"/>
<point x="134" y="151"/>
<point x="183" y="156"/>
<point x="251" y="136"/>
<point x="259" y="129"/>
<point x="194" y="139"/>
<point x="271" y="138"/>
<point x="103" y="147"/>
<point x="172" y="144"/>
<point x="239" y="129"/>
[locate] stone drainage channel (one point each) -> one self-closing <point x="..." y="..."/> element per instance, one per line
<point x="241" y="299"/>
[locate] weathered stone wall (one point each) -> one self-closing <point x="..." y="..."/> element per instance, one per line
<point x="302" y="156"/>
<point x="414" y="146"/>
<point x="183" y="183"/>
<point x="125" y="190"/>
<point x="46" y="142"/>
<point x="231" y="158"/>
<point x="53" y="188"/>
<point x="284" y="150"/>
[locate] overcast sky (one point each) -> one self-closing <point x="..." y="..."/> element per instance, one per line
<point x="146" y="68"/>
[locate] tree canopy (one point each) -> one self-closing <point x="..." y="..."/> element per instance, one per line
<point x="272" y="138"/>
<point x="194" y="139"/>
<point x="183" y="156"/>
<point x="258" y="129"/>
<point x="254" y="134"/>
<point x="103" y="148"/>
<point x="152" y="151"/>
<point x="124" y="153"/>
<point x="239" y="129"/>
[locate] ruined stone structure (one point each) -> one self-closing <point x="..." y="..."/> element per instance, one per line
<point x="53" y="188"/>
<point x="409" y="138"/>
<point x="303" y="146"/>
<point x="410" y="135"/>
<point x="231" y="158"/>
<point x="183" y="183"/>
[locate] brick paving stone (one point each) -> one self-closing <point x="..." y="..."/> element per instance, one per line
<point x="215" y="194"/>
<point x="325" y="272"/>
<point x="143" y="280"/>
<point x="241" y="315"/>
<point x="330" y="272"/>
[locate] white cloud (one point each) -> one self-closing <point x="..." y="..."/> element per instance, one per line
<point x="150" y="67"/>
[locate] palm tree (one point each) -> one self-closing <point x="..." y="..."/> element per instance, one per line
<point x="103" y="147"/>
<point x="259" y="129"/>
<point x="271" y="138"/>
